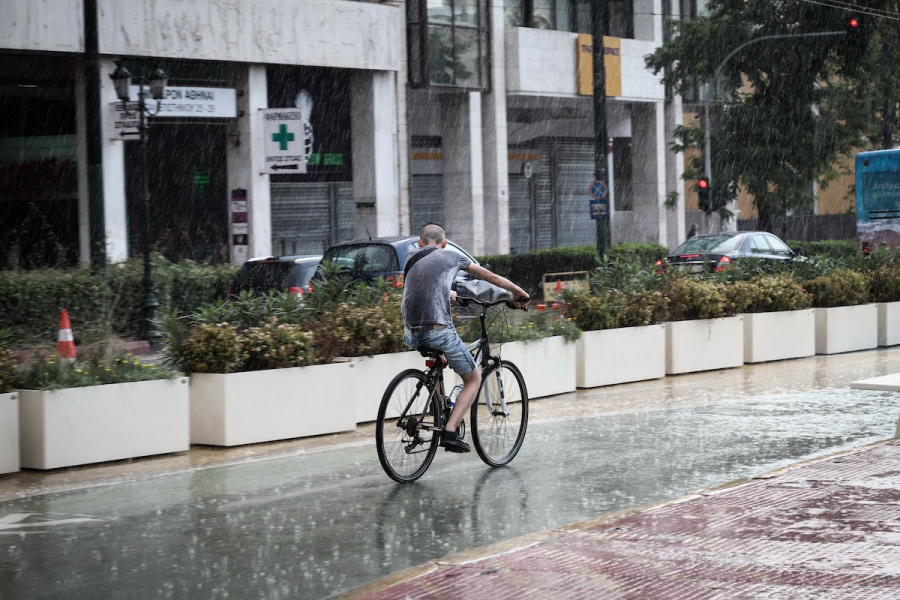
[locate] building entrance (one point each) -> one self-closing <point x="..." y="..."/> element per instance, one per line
<point x="188" y="196"/>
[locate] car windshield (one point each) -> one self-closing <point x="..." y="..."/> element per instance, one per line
<point x="271" y="274"/>
<point x="363" y="258"/>
<point x="710" y="244"/>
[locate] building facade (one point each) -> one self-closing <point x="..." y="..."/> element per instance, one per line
<point x="472" y="113"/>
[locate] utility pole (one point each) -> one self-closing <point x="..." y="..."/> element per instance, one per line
<point x="601" y="141"/>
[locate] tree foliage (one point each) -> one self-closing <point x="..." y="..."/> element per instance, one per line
<point x="784" y="110"/>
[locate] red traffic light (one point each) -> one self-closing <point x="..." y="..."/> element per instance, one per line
<point x="703" y="183"/>
<point x="853" y="22"/>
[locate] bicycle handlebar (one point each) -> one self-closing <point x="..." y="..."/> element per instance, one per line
<point x="464" y="301"/>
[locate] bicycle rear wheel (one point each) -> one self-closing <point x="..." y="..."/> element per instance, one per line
<point x="500" y="414"/>
<point x="405" y="433"/>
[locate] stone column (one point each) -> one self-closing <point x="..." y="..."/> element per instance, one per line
<point x="648" y="156"/>
<point x="463" y="170"/>
<point x="115" y="209"/>
<point x="674" y="117"/>
<point x="245" y="156"/>
<point x="374" y="147"/>
<point x="496" y="154"/>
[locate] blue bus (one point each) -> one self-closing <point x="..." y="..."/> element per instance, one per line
<point x="878" y="198"/>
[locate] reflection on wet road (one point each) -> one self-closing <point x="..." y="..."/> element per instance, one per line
<point x="312" y="525"/>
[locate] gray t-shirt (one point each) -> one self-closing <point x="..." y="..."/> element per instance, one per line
<point x="426" y="290"/>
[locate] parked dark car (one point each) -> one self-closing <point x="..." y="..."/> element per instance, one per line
<point x="289" y="274"/>
<point x="716" y="251"/>
<point x="367" y="260"/>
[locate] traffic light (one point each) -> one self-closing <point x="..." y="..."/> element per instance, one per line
<point x="856" y="38"/>
<point x="703" y="193"/>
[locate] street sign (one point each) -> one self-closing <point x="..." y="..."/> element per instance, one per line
<point x="179" y="101"/>
<point x="599" y="209"/>
<point x="527" y="170"/>
<point x="598" y="189"/>
<point x="284" y="141"/>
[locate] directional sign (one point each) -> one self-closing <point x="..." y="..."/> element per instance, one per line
<point x="283" y="141"/>
<point x="598" y="189"/>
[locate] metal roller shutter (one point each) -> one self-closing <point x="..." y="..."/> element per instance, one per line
<point x="519" y="214"/>
<point x="300" y="217"/>
<point x="343" y="224"/>
<point x="426" y="201"/>
<point x="543" y="198"/>
<point x="574" y="173"/>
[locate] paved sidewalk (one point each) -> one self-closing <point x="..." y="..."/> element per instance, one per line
<point x="825" y="529"/>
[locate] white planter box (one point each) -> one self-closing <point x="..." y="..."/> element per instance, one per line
<point x="779" y="335"/>
<point x="9" y="432"/>
<point x="371" y="376"/>
<point x="888" y="323"/>
<point x="846" y="328"/>
<point x="276" y="404"/>
<point x="548" y="365"/>
<point x="613" y="356"/>
<point x="79" y="426"/>
<point x="705" y="345"/>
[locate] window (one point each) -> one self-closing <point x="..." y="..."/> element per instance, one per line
<point x="758" y="245"/>
<point x="778" y="247"/>
<point x="448" y="43"/>
<point x="570" y="15"/>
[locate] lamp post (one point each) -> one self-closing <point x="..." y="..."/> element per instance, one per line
<point x="157" y="81"/>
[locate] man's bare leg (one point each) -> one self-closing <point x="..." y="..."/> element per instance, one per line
<point x="471" y="382"/>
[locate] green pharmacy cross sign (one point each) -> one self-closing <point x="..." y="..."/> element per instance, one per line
<point x="283" y="136"/>
<point x="281" y="127"/>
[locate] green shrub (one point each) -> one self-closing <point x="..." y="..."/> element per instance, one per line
<point x="612" y="309"/>
<point x="885" y="284"/>
<point x="276" y="346"/>
<point x="7" y="365"/>
<point x="359" y="330"/>
<point x="518" y="326"/>
<point x="840" y="249"/>
<point x="691" y="298"/>
<point x="637" y="252"/>
<point x="841" y="287"/>
<point x="527" y="269"/>
<point x="33" y="300"/>
<point x="212" y="348"/>
<point x="771" y="293"/>
<point x="97" y="368"/>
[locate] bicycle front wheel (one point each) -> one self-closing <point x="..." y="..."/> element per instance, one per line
<point x="405" y="433"/>
<point x="500" y="414"/>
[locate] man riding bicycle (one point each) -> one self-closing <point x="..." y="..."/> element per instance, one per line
<point x="430" y="271"/>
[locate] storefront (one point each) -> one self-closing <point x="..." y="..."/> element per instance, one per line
<point x="38" y="160"/>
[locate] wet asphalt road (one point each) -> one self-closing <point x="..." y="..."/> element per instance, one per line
<point x="312" y="525"/>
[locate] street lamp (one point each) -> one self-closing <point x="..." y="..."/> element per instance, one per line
<point x="157" y="80"/>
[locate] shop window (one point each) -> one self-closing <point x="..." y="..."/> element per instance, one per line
<point x="448" y="43"/>
<point x="569" y="15"/>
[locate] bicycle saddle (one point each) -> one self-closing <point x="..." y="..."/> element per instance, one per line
<point x="428" y="352"/>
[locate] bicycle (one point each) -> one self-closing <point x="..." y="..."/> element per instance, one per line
<point x="415" y="408"/>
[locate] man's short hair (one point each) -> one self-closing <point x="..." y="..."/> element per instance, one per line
<point x="432" y="233"/>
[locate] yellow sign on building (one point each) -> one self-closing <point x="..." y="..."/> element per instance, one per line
<point x="612" y="61"/>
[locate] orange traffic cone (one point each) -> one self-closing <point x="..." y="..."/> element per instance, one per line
<point x="65" y="344"/>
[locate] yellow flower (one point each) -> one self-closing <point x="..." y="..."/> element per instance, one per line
<point x="107" y="369"/>
<point x="78" y="371"/>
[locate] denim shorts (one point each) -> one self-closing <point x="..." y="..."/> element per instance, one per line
<point x="447" y="341"/>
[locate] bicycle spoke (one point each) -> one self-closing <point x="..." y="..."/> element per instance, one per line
<point x="500" y="415"/>
<point x="405" y="436"/>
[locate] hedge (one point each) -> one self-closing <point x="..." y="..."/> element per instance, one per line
<point x="839" y="249"/>
<point x="33" y="300"/>
<point x="527" y="269"/>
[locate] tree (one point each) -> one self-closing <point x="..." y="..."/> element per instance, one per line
<point x="785" y="110"/>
